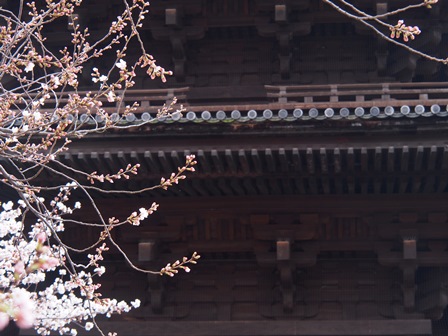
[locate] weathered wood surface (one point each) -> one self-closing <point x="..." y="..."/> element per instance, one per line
<point x="344" y="226"/>
<point x="273" y="328"/>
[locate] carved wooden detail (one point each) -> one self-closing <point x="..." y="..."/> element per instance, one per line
<point x="156" y="293"/>
<point x="284" y="31"/>
<point x="173" y="27"/>
<point x="307" y="265"/>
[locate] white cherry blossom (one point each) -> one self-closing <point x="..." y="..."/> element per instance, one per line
<point x="121" y="64"/>
<point x="29" y="67"/>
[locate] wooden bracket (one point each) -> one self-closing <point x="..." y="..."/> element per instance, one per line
<point x="409" y="287"/>
<point x="409" y="266"/>
<point x="284" y="41"/>
<point x="281" y="13"/>
<point x="172" y="17"/>
<point x="284" y="31"/>
<point x="286" y="273"/>
<point x="156" y="292"/>
<point x="179" y="58"/>
<point x="382" y="53"/>
<point x="283" y="250"/>
<point x="174" y="29"/>
<point x="409" y="248"/>
<point x="146" y="251"/>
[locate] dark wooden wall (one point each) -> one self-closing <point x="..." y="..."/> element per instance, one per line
<point x="308" y="226"/>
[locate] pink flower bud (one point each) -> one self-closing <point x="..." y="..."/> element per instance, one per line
<point x="19" y="268"/>
<point x="49" y="263"/>
<point x="41" y="237"/>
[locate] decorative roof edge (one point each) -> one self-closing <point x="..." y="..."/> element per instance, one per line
<point x="287" y="115"/>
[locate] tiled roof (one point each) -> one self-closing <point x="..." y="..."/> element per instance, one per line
<point x="311" y="103"/>
<point x="297" y="114"/>
<point x="352" y="102"/>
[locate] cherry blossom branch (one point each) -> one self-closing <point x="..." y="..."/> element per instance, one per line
<point x="405" y="31"/>
<point x="40" y="106"/>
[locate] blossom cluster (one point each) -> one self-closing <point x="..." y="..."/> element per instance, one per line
<point x="174" y="178"/>
<point x="29" y="256"/>
<point x="172" y="269"/>
<point x="122" y="173"/>
<point x="135" y="218"/>
<point x="407" y="32"/>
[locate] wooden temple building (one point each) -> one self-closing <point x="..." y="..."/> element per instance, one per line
<point x="319" y="205"/>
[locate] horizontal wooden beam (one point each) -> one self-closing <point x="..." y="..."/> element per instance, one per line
<point x="268" y="328"/>
<point x="256" y="145"/>
<point x="352" y="205"/>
